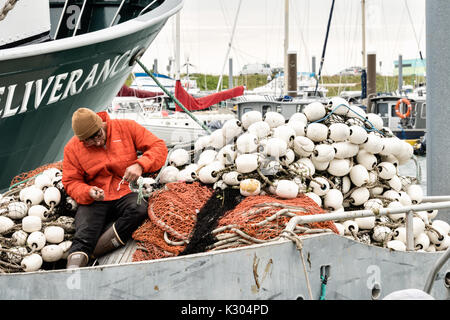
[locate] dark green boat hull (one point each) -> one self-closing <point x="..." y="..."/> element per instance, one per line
<point x="39" y="93"/>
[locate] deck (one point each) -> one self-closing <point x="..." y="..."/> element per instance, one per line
<point x="120" y="255"/>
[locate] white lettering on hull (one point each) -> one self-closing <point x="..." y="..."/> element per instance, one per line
<point x="62" y="85"/>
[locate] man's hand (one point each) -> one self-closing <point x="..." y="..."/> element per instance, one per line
<point x="133" y="172"/>
<point x="97" y="194"/>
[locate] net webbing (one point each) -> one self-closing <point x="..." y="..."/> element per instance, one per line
<point x="173" y="214"/>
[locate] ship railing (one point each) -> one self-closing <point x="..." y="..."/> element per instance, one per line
<point x="81" y="14"/>
<point x="148" y="6"/>
<point x="432" y="203"/>
<point x="117" y="13"/>
<point x="79" y="19"/>
<point x="428" y="203"/>
<point x="61" y="18"/>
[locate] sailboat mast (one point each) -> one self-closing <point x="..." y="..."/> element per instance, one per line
<point x="286" y="44"/>
<point x="229" y="47"/>
<point x="363" y="13"/>
<point x="177" y="46"/>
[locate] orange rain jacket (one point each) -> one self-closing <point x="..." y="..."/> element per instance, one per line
<point x="85" y="167"/>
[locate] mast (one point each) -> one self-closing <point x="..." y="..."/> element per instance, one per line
<point x="363" y="12"/>
<point x="286" y="45"/>
<point x="229" y="47"/>
<point x="177" y="46"/>
<point x="324" y="48"/>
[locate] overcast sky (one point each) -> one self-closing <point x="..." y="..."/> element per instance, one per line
<point x="393" y="27"/>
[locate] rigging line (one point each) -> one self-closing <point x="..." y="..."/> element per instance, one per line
<point x="345" y="39"/>
<point x="225" y="17"/>
<point x="219" y="84"/>
<point x="324" y="47"/>
<point x="356" y="35"/>
<point x="266" y="33"/>
<point x="244" y="53"/>
<point x="414" y="29"/>
<point x="300" y="28"/>
<point x="398" y="30"/>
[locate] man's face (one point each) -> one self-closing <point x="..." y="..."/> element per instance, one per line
<point x="98" y="139"/>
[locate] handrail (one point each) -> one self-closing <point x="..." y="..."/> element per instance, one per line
<point x="61" y="18"/>
<point x="363" y="213"/>
<point x="437" y="266"/>
<point x="79" y="18"/>
<point x="117" y="13"/>
<point x="336" y="216"/>
<point x="435" y="198"/>
<point x="146" y="7"/>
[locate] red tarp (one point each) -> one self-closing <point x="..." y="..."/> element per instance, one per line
<point x="126" y="91"/>
<point x="192" y="103"/>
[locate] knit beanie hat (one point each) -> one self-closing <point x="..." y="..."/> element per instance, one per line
<point x="85" y="123"/>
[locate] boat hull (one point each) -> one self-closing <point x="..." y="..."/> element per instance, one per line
<point x="265" y="271"/>
<point x="409" y="134"/>
<point x="40" y="91"/>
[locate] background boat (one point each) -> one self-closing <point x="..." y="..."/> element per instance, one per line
<point x="85" y="65"/>
<point x="158" y="115"/>
<point x="412" y="127"/>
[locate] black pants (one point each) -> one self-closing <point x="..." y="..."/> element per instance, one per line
<point x="92" y="220"/>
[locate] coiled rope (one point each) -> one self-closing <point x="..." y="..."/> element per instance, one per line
<point x="9" y="5"/>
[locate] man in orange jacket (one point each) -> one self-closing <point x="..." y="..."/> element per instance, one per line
<point x="99" y="163"/>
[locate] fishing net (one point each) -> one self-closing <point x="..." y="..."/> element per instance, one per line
<point x="186" y="218"/>
<point x="25" y="176"/>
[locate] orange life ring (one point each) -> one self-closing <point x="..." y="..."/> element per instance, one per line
<point x="397" y="108"/>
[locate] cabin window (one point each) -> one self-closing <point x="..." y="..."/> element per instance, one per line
<point x="393" y="114"/>
<point x="423" y="111"/>
<point x="247" y="109"/>
<point x="383" y="109"/>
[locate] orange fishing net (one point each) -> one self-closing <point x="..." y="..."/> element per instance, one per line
<point x="27" y="175"/>
<point x="173" y="215"/>
<point x="173" y="211"/>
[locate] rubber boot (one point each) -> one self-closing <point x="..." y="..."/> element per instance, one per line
<point x="77" y="259"/>
<point x="107" y="242"/>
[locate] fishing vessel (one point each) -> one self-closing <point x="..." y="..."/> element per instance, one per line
<point x="311" y="266"/>
<point x="405" y="117"/>
<point x="303" y="262"/>
<point x="82" y="59"/>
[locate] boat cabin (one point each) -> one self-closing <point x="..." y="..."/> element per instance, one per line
<point x="267" y="103"/>
<point x="411" y="127"/>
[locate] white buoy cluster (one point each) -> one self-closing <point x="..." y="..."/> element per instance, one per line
<point x="32" y="230"/>
<point x="338" y="155"/>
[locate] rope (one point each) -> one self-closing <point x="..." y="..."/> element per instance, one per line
<point x="364" y="119"/>
<point x="138" y="187"/>
<point x="120" y="183"/>
<point x="23" y="181"/>
<point x="299" y="244"/>
<point x="9" y="5"/>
